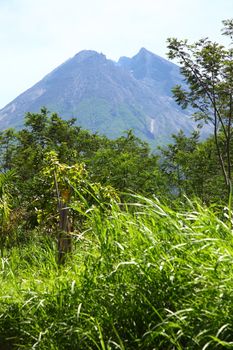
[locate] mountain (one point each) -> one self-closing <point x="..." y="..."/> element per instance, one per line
<point x="108" y="97"/>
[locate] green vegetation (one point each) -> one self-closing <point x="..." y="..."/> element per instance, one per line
<point x="208" y="70"/>
<point x="147" y="278"/>
<point x="93" y="257"/>
<point x="87" y="265"/>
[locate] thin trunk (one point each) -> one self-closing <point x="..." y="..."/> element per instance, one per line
<point x="229" y="146"/>
<point x="217" y="117"/>
<point x="221" y="161"/>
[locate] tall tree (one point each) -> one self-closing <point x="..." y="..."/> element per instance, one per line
<point x="191" y="168"/>
<point x="208" y="71"/>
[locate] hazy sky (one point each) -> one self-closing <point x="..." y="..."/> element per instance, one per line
<point x="38" y="35"/>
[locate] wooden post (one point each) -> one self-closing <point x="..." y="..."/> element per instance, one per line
<point x="64" y="236"/>
<point x="64" y="241"/>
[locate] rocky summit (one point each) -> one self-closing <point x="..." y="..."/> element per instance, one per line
<point x="108" y="97"/>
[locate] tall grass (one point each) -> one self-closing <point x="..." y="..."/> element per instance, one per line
<point x="147" y="278"/>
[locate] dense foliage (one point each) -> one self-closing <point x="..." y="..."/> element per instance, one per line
<point x="49" y="147"/>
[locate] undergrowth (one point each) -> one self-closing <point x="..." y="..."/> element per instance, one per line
<point x="147" y="278"/>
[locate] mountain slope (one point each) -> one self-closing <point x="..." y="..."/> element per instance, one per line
<point x="108" y="97"/>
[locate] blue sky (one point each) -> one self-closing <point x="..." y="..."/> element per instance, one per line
<point x="38" y="35"/>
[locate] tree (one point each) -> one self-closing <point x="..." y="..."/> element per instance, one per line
<point x="177" y="163"/>
<point x="127" y="164"/>
<point x="6" y="181"/>
<point x="8" y="143"/>
<point x="70" y="197"/>
<point x="208" y="71"/>
<point x="191" y="167"/>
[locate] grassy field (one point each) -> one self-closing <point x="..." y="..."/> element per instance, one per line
<point x="147" y="278"/>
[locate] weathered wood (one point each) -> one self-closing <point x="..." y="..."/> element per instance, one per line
<point x="64" y="236"/>
<point x="64" y="239"/>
